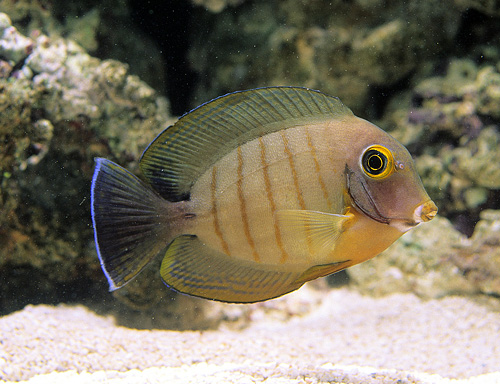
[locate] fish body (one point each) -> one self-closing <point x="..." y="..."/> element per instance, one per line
<point x="255" y="193"/>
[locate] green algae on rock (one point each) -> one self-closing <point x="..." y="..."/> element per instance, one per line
<point x="60" y="108"/>
<point x="343" y="48"/>
<point x="103" y="28"/>
<point x="436" y="260"/>
<point x="451" y="123"/>
<point x="479" y="260"/>
<point x="12" y="44"/>
<point x="216" y="6"/>
<point x="47" y="161"/>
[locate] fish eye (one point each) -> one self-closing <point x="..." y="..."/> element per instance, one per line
<point x="377" y="162"/>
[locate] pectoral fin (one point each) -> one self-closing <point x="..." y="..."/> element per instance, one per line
<point x="321" y="230"/>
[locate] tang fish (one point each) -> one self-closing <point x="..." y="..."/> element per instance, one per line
<point x="253" y="194"/>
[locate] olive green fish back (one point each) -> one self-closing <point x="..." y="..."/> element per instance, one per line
<point x="185" y="150"/>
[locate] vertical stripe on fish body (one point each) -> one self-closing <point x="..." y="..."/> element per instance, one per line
<point x="255" y="193"/>
<point x="237" y="199"/>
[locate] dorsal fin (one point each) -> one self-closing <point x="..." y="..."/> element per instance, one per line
<point x="183" y="151"/>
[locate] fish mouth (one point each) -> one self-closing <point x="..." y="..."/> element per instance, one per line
<point x="425" y="212"/>
<point x="422" y="213"/>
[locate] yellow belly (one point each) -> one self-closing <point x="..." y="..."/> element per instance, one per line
<point x="363" y="239"/>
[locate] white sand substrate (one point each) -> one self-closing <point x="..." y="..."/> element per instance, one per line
<point x="348" y="338"/>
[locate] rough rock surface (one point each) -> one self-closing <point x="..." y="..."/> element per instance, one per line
<point x="104" y="29"/>
<point x="343" y="48"/>
<point x="435" y="260"/>
<point x="452" y="123"/>
<point x="60" y="108"/>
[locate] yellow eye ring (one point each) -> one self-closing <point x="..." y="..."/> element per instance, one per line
<point x="377" y="162"/>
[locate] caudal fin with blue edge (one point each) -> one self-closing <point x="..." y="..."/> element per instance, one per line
<point x="130" y="222"/>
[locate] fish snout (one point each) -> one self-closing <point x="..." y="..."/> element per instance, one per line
<point x="425" y="212"/>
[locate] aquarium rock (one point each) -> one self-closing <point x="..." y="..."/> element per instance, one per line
<point x="60" y="108"/>
<point x="104" y="29"/>
<point x="451" y="123"/>
<point x="490" y="7"/>
<point x="347" y="49"/>
<point x="428" y="69"/>
<point x="435" y="260"/>
<point x="12" y="44"/>
<point x="217" y="6"/>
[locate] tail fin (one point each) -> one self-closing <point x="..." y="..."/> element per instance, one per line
<point x="129" y="219"/>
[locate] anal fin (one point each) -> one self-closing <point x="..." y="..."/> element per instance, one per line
<point x="322" y="270"/>
<point x="193" y="268"/>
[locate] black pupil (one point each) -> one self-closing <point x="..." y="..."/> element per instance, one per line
<point x="374" y="162"/>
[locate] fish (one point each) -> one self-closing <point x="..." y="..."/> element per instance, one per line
<point x="254" y="193"/>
